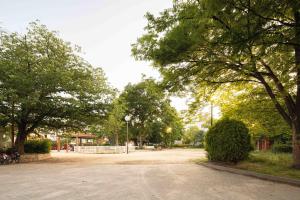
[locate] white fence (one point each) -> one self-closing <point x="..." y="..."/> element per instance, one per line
<point x="103" y="149"/>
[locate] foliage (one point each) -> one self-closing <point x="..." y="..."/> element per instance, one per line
<point x="45" y="83"/>
<point x="252" y="106"/>
<point x="151" y="113"/>
<point x="282" y="148"/>
<point x="171" y="125"/>
<point x="37" y="146"/>
<point x="228" y="141"/>
<point x="115" y="123"/>
<point x="193" y="136"/>
<point x="216" y="42"/>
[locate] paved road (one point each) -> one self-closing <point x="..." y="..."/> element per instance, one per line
<point x="140" y="175"/>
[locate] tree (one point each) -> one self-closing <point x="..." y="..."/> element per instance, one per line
<point x="193" y="135"/>
<point x="142" y="102"/>
<point x="230" y="41"/>
<point x="46" y="83"/>
<point x="171" y="125"/>
<point x="115" y="122"/>
<point x="151" y="113"/>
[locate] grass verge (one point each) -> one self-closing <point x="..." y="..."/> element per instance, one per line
<point x="276" y="164"/>
<point x="266" y="162"/>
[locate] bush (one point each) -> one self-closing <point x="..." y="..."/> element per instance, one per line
<point x="37" y="146"/>
<point x="181" y="145"/>
<point x="228" y="141"/>
<point x="282" y="148"/>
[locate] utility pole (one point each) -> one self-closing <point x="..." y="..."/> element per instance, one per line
<point x="13" y="124"/>
<point x="127" y="139"/>
<point x="211" y="113"/>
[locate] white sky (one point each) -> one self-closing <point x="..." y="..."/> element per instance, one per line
<point x="105" y="29"/>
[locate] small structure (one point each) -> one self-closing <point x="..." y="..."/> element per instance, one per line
<point x="83" y="139"/>
<point x="263" y="143"/>
<point x="76" y="139"/>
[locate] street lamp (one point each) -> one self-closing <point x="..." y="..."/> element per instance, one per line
<point x="169" y="131"/>
<point x="127" y="119"/>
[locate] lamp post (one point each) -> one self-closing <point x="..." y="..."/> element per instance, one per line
<point x="169" y="131"/>
<point x="127" y="119"/>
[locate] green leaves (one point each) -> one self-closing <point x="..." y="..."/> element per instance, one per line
<point x="48" y="82"/>
<point x="228" y="141"/>
<point x="151" y="113"/>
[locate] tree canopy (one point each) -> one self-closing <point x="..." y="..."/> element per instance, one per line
<point x="45" y="83"/>
<point x="151" y="113"/>
<point x="230" y="41"/>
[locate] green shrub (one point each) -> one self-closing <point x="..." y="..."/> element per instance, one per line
<point x="282" y="148"/>
<point x="228" y="141"/>
<point x="180" y="145"/>
<point x="37" y="146"/>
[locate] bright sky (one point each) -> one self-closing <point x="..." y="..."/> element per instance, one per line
<point x="105" y="29"/>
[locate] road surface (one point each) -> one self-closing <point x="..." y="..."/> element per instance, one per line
<point x="169" y="174"/>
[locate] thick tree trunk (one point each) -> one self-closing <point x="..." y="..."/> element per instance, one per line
<point x="20" y="142"/>
<point x="296" y="145"/>
<point x="21" y="137"/>
<point x="296" y="121"/>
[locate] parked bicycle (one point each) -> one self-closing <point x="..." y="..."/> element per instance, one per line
<point x="14" y="155"/>
<point x="4" y="158"/>
<point x="9" y="156"/>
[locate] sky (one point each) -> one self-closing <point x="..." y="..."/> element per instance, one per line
<point x="105" y="29"/>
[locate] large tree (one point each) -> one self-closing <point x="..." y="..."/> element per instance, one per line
<point x="45" y="83"/>
<point x="115" y="121"/>
<point x="142" y="102"/>
<point x="226" y="41"/>
<point x="168" y="128"/>
<point x="154" y="119"/>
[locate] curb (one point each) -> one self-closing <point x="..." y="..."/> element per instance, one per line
<point x="34" y="157"/>
<point x="267" y="177"/>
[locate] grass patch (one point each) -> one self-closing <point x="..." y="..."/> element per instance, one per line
<point x="277" y="164"/>
<point x="200" y="160"/>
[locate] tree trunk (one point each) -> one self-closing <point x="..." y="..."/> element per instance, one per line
<point x="12" y="135"/>
<point x="140" y="142"/>
<point x="117" y="139"/>
<point x="296" y="145"/>
<point x="21" y="137"/>
<point x="296" y="121"/>
<point x="20" y="142"/>
<point x="13" y="125"/>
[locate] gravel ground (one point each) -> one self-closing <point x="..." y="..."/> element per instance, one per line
<point x="168" y="174"/>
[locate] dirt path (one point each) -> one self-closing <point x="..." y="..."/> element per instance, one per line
<point x="174" y="156"/>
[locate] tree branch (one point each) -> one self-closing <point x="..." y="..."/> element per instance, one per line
<point x="286" y="96"/>
<point x="270" y="92"/>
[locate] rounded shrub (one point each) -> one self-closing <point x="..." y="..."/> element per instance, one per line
<point x="228" y="141"/>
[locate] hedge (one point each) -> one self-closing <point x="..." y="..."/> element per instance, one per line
<point x="37" y="146"/>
